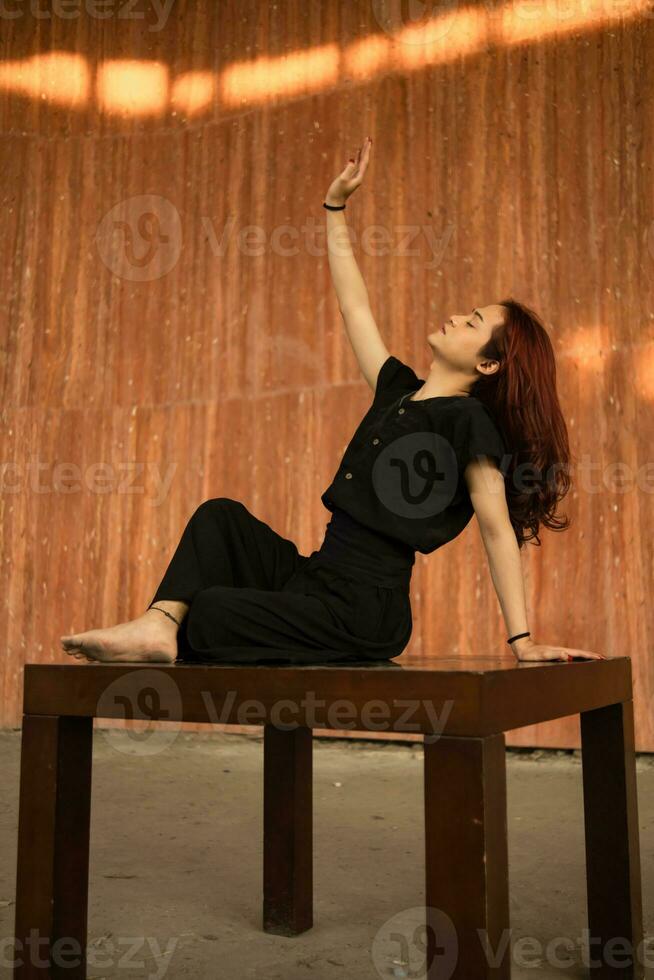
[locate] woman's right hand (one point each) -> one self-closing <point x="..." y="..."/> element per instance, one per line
<point x="350" y="178"/>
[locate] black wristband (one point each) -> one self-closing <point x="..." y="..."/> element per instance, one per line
<point x="517" y="636"/>
<point x="333" y="207"/>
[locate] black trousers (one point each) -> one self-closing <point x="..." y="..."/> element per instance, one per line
<point x="254" y="598"/>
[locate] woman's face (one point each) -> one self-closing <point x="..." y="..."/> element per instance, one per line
<point x="458" y="340"/>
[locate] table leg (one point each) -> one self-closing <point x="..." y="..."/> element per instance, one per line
<point x="287" y="830"/>
<point x="53" y="847"/>
<point x="615" y="913"/>
<point x="466" y="859"/>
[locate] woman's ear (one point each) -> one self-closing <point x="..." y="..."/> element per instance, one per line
<point x="488" y="367"/>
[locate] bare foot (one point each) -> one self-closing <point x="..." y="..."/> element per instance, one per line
<point x="151" y="638"/>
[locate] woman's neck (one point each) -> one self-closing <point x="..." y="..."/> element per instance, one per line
<point x="442" y="384"/>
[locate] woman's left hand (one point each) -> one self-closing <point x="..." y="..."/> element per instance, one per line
<point x="351" y="177"/>
<point x="542" y="651"/>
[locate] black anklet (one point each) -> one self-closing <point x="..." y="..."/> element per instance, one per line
<point x="169" y="615"/>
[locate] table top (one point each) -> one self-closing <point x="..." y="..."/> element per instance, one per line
<point x="459" y="695"/>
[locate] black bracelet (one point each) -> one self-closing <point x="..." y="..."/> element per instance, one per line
<point x="517" y="636"/>
<point x="334" y="207"/>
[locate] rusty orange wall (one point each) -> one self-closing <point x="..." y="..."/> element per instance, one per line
<point x="148" y="362"/>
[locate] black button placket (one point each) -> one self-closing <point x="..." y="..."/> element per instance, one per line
<point x="401" y="410"/>
<point x="376" y="441"/>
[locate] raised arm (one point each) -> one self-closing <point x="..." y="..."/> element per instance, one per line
<point x="362" y="331"/>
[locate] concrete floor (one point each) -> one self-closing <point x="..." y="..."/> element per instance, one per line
<point x="176" y="857"/>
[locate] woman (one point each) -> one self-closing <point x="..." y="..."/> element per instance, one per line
<point x="425" y="457"/>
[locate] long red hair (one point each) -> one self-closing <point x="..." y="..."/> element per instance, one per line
<point x="522" y="397"/>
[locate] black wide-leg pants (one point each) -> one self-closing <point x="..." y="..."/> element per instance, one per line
<point x="253" y="597"/>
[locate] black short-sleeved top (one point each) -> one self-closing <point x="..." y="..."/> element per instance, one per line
<point x="402" y="473"/>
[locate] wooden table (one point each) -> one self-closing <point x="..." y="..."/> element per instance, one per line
<point x="462" y="706"/>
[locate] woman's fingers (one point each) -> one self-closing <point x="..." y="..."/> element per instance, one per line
<point x="570" y="653"/>
<point x="362" y="155"/>
<point x="567" y="654"/>
<point x="586" y="654"/>
<point x="79" y="655"/>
